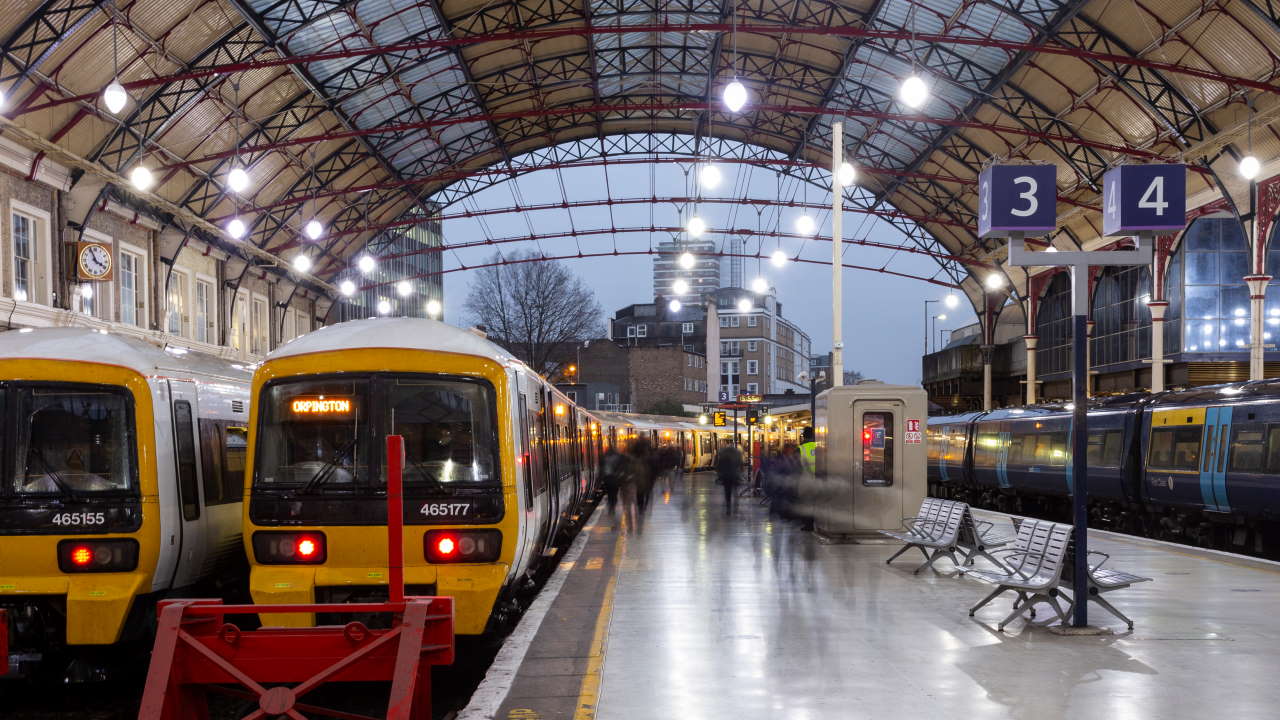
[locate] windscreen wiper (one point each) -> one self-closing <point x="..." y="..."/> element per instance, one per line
<point x="326" y="471"/>
<point x="54" y="475"/>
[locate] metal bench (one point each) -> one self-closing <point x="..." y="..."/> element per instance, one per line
<point x="1104" y="580"/>
<point x="936" y="529"/>
<point x="978" y="538"/>
<point x="1032" y="569"/>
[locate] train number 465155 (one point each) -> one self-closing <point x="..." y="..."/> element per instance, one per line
<point x="79" y="518"/>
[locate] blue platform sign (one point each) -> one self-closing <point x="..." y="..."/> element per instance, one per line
<point x="1017" y="198"/>
<point x="724" y="396"/>
<point x="1138" y="198"/>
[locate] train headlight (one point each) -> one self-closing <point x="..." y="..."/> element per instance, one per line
<point x="94" y="556"/>
<point x="462" y="546"/>
<point x="289" y="548"/>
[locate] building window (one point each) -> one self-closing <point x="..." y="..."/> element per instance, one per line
<point x="753" y="320"/>
<point x="259" y="331"/>
<point x="642" y="331"/>
<point x="729" y="377"/>
<point x="686" y="328"/>
<point x="301" y="323"/>
<point x="240" y="323"/>
<point x="724" y="321"/>
<point x="133" y="283"/>
<point x="631" y="331"/>
<point x="753" y="388"/>
<point x="24" y="257"/>
<point x="1122" y="329"/>
<point x="204" y="327"/>
<point x="735" y="321"/>
<point x="753" y="367"/>
<point x="1210" y="262"/>
<point x="751" y="346"/>
<point x="1053" y="327"/>
<point x="179" y="321"/>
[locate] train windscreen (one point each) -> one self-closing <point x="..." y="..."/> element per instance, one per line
<point x="326" y="434"/>
<point x="69" y="440"/>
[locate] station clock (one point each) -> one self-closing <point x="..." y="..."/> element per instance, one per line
<point x="93" y="261"/>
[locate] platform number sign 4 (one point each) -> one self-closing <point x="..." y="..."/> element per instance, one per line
<point x="1017" y="198"/>
<point x="913" y="434"/>
<point x="1144" y="198"/>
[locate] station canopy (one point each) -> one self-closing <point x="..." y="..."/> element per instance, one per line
<point x="372" y="115"/>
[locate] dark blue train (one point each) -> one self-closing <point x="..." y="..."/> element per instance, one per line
<point x="1200" y="466"/>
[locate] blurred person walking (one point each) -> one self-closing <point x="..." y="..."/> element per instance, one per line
<point x="729" y="473"/>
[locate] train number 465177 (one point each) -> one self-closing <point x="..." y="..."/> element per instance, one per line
<point x="444" y="509"/>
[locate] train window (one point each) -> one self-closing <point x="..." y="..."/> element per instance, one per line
<point x="71" y="439"/>
<point x="1175" y="448"/>
<point x="1273" y="448"/>
<point x="450" y="435"/>
<point x="1097" y="441"/>
<point x="1113" y="449"/>
<point x="1246" y="450"/>
<point x="235" y="452"/>
<point x="314" y="433"/>
<point x="1058" y="454"/>
<point x="222" y="457"/>
<point x="877" y="449"/>
<point x="185" y="450"/>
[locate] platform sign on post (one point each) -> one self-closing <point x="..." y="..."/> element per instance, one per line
<point x="1144" y="199"/>
<point x="718" y="418"/>
<point x="1017" y="198"/>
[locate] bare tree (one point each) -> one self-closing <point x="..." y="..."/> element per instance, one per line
<point x="535" y="308"/>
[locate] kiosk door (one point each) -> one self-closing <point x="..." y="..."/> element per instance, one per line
<point x="877" y="468"/>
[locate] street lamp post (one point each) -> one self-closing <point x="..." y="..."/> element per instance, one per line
<point x="935" y="319"/>
<point x="926" y="325"/>
<point x="813" y="381"/>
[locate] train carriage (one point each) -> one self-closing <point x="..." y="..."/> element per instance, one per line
<point x="123" y="485"/>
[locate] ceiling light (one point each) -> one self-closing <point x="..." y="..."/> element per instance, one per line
<point x="709" y="176"/>
<point x="735" y="95"/>
<point x="744" y="305"/>
<point x="115" y="97"/>
<point x="301" y="263"/>
<point x="994" y="281"/>
<point x="760" y="286"/>
<point x="366" y="263"/>
<point x="238" y="180"/>
<point x="236" y="228"/>
<point x="433" y="308"/>
<point x="680" y="287"/>
<point x="1249" y="167"/>
<point x="951" y="301"/>
<point x="141" y="178"/>
<point x="847" y="174"/>
<point x="913" y="92"/>
<point x="778" y="258"/>
<point x="687" y="260"/>
<point x="314" y="229"/>
<point x="675" y="306"/>
<point x="805" y="224"/>
<point x="697" y="226"/>
<point x="384" y="307"/>
<point x="404" y="288"/>
<point x="347" y="287"/>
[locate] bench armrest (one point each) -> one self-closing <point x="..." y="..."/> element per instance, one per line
<point x="1105" y="558"/>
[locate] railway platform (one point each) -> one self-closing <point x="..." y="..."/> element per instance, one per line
<point x="704" y="617"/>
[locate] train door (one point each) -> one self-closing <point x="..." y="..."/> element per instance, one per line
<point x="549" y="431"/>
<point x="192" y="541"/>
<point x="1213" y="461"/>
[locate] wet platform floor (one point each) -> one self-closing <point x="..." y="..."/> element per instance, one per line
<point x="700" y="616"/>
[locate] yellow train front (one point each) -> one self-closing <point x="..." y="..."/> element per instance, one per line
<point x="497" y="464"/>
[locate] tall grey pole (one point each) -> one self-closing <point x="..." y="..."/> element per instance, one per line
<point x="1080" y="441"/>
<point x="837" y="248"/>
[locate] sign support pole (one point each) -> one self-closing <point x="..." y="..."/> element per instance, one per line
<point x="837" y="256"/>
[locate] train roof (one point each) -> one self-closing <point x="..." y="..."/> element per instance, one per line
<point x="1225" y="392"/>
<point x="95" y="346"/>
<point x="400" y="333"/>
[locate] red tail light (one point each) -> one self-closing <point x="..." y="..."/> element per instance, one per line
<point x="93" y="556"/>
<point x="462" y="546"/>
<point x="289" y="548"/>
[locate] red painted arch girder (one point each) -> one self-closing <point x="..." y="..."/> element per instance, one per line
<point x="676" y="229"/>
<point x="453" y="175"/>
<point x="621" y="253"/>
<point x="533" y="36"/>
<point x="487" y="212"/>
<point x="651" y="107"/>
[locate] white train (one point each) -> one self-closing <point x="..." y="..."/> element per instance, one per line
<point x="122" y="483"/>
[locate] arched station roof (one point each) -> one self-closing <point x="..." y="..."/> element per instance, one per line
<point x="371" y="113"/>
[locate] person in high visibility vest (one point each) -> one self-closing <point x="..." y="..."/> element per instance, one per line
<point x="808" y="450"/>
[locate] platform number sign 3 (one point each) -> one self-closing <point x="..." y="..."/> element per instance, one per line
<point x="1017" y="198"/>
<point x="913" y="434"/>
<point x="1144" y="198"/>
